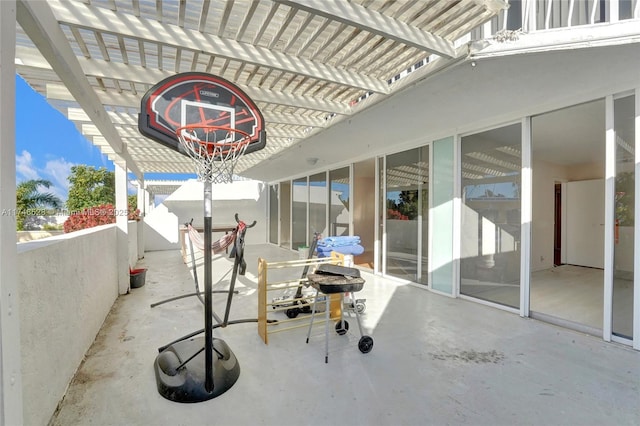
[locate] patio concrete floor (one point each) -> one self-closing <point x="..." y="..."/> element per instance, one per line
<point x="435" y="360"/>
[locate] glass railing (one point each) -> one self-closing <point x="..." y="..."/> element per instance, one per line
<point x="537" y="15"/>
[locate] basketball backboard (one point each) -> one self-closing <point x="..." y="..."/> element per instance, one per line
<point x="201" y="99"/>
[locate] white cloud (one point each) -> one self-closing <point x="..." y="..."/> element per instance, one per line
<point x="132" y="188"/>
<point x="57" y="172"/>
<point x="25" y="170"/>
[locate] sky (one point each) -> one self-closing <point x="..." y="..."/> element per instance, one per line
<point x="48" y="144"/>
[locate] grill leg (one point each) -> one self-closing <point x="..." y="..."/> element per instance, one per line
<point x="326" y="329"/>
<point x="313" y="315"/>
<point x="357" y="317"/>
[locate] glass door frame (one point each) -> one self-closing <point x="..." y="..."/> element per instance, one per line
<point x="609" y="249"/>
<point x="609" y="206"/>
<point x="381" y="220"/>
<point x="636" y="260"/>
<point x="526" y="217"/>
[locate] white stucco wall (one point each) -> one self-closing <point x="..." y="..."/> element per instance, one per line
<point x="160" y="230"/>
<point x="64" y="300"/>
<point x="246" y="198"/>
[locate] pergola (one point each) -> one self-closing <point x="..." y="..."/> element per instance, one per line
<point x="308" y="64"/>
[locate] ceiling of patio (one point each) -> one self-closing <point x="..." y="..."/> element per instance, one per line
<point x="304" y="62"/>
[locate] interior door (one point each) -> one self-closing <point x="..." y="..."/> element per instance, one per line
<point x="585" y="223"/>
<point x="557" y="228"/>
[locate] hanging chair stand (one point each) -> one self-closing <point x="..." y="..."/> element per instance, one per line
<point x="216" y="247"/>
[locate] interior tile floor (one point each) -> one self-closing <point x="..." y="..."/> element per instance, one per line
<point x="436" y="360"/>
<point x="570" y="292"/>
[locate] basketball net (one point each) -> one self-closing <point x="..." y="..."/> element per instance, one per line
<point x="214" y="150"/>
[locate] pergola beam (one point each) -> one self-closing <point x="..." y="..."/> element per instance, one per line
<point x="150" y="76"/>
<point x="78" y="115"/>
<point x="375" y="23"/>
<point x="103" y="20"/>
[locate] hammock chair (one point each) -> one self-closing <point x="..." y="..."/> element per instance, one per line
<point x="216" y="246"/>
<point x="195" y="239"/>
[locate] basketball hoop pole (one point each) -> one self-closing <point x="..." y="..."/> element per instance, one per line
<point x="208" y="299"/>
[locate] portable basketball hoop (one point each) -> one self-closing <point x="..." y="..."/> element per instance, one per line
<point x="212" y="121"/>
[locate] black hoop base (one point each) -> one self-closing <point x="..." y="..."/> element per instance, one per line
<point x="187" y="383"/>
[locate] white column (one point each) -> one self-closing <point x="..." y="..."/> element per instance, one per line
<point x="10" y="364"/>
<point x="141" y="204"/>
<point x="613" y="11"/>
<point x="530" y="13"/>
<point x="486" y="30"/>
<point x="122" y="228"/>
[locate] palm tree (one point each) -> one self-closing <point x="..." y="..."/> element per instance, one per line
<point x="29" y="198"/>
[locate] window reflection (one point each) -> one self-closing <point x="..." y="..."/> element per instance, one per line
<point x="318" y="203"/>
<point x="299" y="213"/>
<point x="490" y="264"/>
<point x="623" y="273"/>
<point x="339" y="202"/>
<point x="407" y="206"/>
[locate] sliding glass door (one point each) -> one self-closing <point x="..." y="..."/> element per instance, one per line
<point x="623" y="273"/>
<point x="407" y="206"/>
<point x="490" y="234"/>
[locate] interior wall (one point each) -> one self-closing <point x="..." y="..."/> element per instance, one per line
<point x="586" y="171"/>
<point x="545" y="175"/>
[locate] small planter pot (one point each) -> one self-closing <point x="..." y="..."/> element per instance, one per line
<point x="137" y="277"/>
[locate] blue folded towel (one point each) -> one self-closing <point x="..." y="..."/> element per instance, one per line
<point x="339" y="241"/>
<point x="354" y="249"/>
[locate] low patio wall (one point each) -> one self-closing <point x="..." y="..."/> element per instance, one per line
<point x="67" y="286"/>
<point x="133" y="229"/>
<point x="36" y="235"/>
